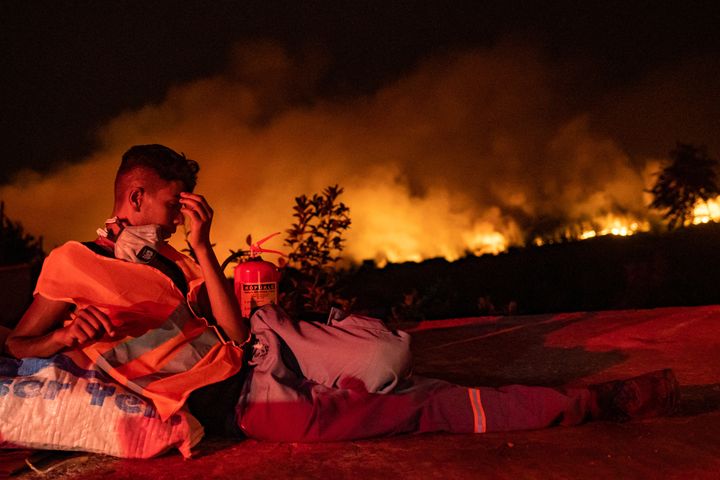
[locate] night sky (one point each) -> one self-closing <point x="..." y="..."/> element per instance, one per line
<point x="70" y="66"/>
<point x="486" y="123"/>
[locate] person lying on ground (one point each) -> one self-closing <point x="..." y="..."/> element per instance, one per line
<point x="170" y="328"/>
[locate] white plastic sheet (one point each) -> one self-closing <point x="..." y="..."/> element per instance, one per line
<point x="53" y="403"/>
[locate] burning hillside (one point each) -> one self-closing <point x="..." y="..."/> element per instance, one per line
<point x="472" y="152"/>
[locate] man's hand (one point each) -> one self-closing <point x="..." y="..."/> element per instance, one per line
<point x="88" y="324"/>
<point x="198" y="211"/>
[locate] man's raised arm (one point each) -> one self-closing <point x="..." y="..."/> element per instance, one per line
<point x="224" y="305"/>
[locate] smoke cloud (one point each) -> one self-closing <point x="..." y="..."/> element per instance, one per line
<point x="472" y="151"/>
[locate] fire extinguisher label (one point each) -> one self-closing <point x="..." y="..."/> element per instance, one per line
<point x="258" y="287"/>
<point x="254" y="295"/>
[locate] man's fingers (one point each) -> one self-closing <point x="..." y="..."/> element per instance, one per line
<point x="85" y="320"/>
<point x="102" y="318"/>
<point x="198" y="212"/>
<point x="192" y="213"/>
<point x="93" y="322"/>
<point x="78" y="338"/>
<point x="197" y="208"/>
<point x="72" y="336"/>
<point x="197" y="202"/>
<point x="82" y="328"/>
<point x="192" y="196"/>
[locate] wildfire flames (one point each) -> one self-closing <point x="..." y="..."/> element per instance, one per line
<point x="473" y="152"/>
<point x="609" y="224"/>
<point x="706" y="212"/>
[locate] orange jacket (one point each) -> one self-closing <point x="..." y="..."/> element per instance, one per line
<point x="162" y="350"/>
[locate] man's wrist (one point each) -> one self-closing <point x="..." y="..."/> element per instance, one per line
<point x="202" y="248"/>
<point x="59" y="338"/>
<point x="204" y="253"/>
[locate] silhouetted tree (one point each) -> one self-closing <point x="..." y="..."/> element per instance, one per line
<point x="691" y="177"/>
<point x="16" y="246"/>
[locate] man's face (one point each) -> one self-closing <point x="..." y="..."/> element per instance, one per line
<point x="161" y="206"/>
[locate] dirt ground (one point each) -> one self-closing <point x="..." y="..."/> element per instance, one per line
<point x="550" y="350"/>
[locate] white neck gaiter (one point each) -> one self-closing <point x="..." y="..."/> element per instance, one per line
<point x="135" y="243"/>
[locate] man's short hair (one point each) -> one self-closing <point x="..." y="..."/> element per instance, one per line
<point x="165" y="162"/>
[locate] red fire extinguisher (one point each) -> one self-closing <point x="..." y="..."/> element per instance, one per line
<point x="256" y="280"/>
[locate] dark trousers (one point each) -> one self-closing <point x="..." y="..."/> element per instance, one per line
<point x="291" y="396"/>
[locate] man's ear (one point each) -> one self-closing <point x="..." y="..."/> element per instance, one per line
<point x="137" y="195"/>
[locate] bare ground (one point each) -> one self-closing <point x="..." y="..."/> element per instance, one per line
<point x="548" y="350"/>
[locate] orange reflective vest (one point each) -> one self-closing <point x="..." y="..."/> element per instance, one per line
<point x="162" y="350"/>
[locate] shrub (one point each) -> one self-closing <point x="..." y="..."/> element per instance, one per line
<point x="316" y="241"/>
<point x="16" y="246"/>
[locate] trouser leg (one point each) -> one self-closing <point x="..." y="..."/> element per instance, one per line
<point x="308" y="412"/>
<point x="299" y="390"/>
<point x="519" y="407"/>
<point x="278" y="403"/>
<point x="354" y="352"/>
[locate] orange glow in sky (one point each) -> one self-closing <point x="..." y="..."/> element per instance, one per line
<point x="465" y="154"/>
